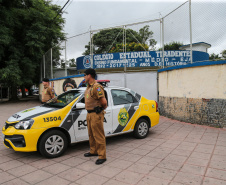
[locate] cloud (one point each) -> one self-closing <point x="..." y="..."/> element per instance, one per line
<point x="208" y="20"/>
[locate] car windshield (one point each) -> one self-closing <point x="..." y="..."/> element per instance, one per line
<point x="63" y="99"/>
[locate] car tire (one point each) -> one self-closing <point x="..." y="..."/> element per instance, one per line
<point x="53" y="144"/>
<point x="141" y="129"/>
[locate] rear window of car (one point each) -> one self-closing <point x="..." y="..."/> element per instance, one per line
<point x="122" y="97"/>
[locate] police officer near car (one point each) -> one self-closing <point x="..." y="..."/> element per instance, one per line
<point x="95" y="103"/>
<point x="47" y="92"/>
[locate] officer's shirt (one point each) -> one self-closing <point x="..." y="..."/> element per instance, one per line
<point x="47" y="93"/>
<point x="93" y="94"/>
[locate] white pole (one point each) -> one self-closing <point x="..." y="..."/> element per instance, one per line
<point x="91" y="47"/>
<point x="190" y="31"/>
<point x="160" y="34"/>
<point x="41" y="71"/>
<point x="163" y="59"/>
<point x="44" y="66"/>
<point x="160" y="30"/>
<point x="92" y="51"/>
<point x="65" y="58"/>
<point x="1" y="92"/>
<point x="8" y="94"/>
<point x="51" y="58"/>
<point x="123" y="41"/>
<point x="125" y="58"/>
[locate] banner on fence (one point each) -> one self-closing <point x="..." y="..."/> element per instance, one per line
<point x="140" y="59"/>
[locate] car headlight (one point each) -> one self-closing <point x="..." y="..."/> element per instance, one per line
<point x="24" y="125"/>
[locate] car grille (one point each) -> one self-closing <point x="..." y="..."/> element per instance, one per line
<point x="17" y="140"/>
<point x="7" y="125"/>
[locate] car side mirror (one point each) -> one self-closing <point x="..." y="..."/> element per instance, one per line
<point x="78" y="106"/>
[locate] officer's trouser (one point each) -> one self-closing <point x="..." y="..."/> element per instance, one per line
<point x="97" y="140"/>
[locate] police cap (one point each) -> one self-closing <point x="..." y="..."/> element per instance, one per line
<point x="91" y="72"/>
<point x="45" y="80"/>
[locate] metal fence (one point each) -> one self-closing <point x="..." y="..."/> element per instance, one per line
<point x="187" y="23"/>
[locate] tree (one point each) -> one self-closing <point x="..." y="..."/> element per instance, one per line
<point x="56" y="52"/>
<point x="72" y="63"/>
<point x="146" y="37"/>
<point x="110" y="39"/>
<point x="214" y="56"/>
<point x="69" y="63"/>
<point x="28" y="29"/>
<point x="224" y="54"/>
<point x="130" y="47"/>
<point x="172" y="46"/>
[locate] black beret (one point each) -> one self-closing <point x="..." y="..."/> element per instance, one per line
<point x="45" y="80"/>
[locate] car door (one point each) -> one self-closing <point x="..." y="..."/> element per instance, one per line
<point x="123" y="109"/>
<point x="79" y="118"/>
<point x="79" y="121"/>
<point x="108" y="118"/>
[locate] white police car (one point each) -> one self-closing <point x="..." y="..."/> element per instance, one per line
<point x="51" y="127"/>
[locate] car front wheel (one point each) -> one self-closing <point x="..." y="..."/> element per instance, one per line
<point x="141" y="129"/>
<point x="53" y="144"/>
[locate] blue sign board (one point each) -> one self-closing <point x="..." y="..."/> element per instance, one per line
<point x="140" y="59"/>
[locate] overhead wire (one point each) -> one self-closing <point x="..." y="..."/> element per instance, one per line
<point x="23" y="2"/>
<point x="158" y="19"/>
<point x="128" y="22"/>
<point x="55" y="18"/>
<point x="67" y="7"/>
<point x="60" y="10"/>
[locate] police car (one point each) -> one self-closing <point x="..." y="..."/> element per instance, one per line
<point x="51" y="127"/>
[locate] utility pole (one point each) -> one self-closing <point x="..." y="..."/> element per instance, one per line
<point x="44" y="65"/>
<point x="163" y="58"/>
<point x="51" y="58"/>
<point x="65" y="58"/>
<point x="125" y="67"/>
<point x="190" y="32"/>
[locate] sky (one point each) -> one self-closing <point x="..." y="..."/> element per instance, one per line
<point x="208" y="21"/>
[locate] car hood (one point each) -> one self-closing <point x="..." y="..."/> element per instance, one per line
<point x="30" y="113"/>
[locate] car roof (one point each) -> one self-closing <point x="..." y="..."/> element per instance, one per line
<point x="80" y="88"/>
<point x="117" y="87"/>
<point x="107" y="87"/>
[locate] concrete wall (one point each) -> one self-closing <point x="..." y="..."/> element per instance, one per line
<point x="199" y="48"/>
<point x="194" y="93"/>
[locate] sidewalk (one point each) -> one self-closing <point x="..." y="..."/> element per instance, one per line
<point x="28" y="98"/>
<point x="174" y="153"/>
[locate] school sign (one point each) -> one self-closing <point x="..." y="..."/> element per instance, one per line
<point x="140" y="59"/>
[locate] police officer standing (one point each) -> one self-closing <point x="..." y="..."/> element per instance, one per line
<point x="47" y="92"/>
<point x="95" y="103"/>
